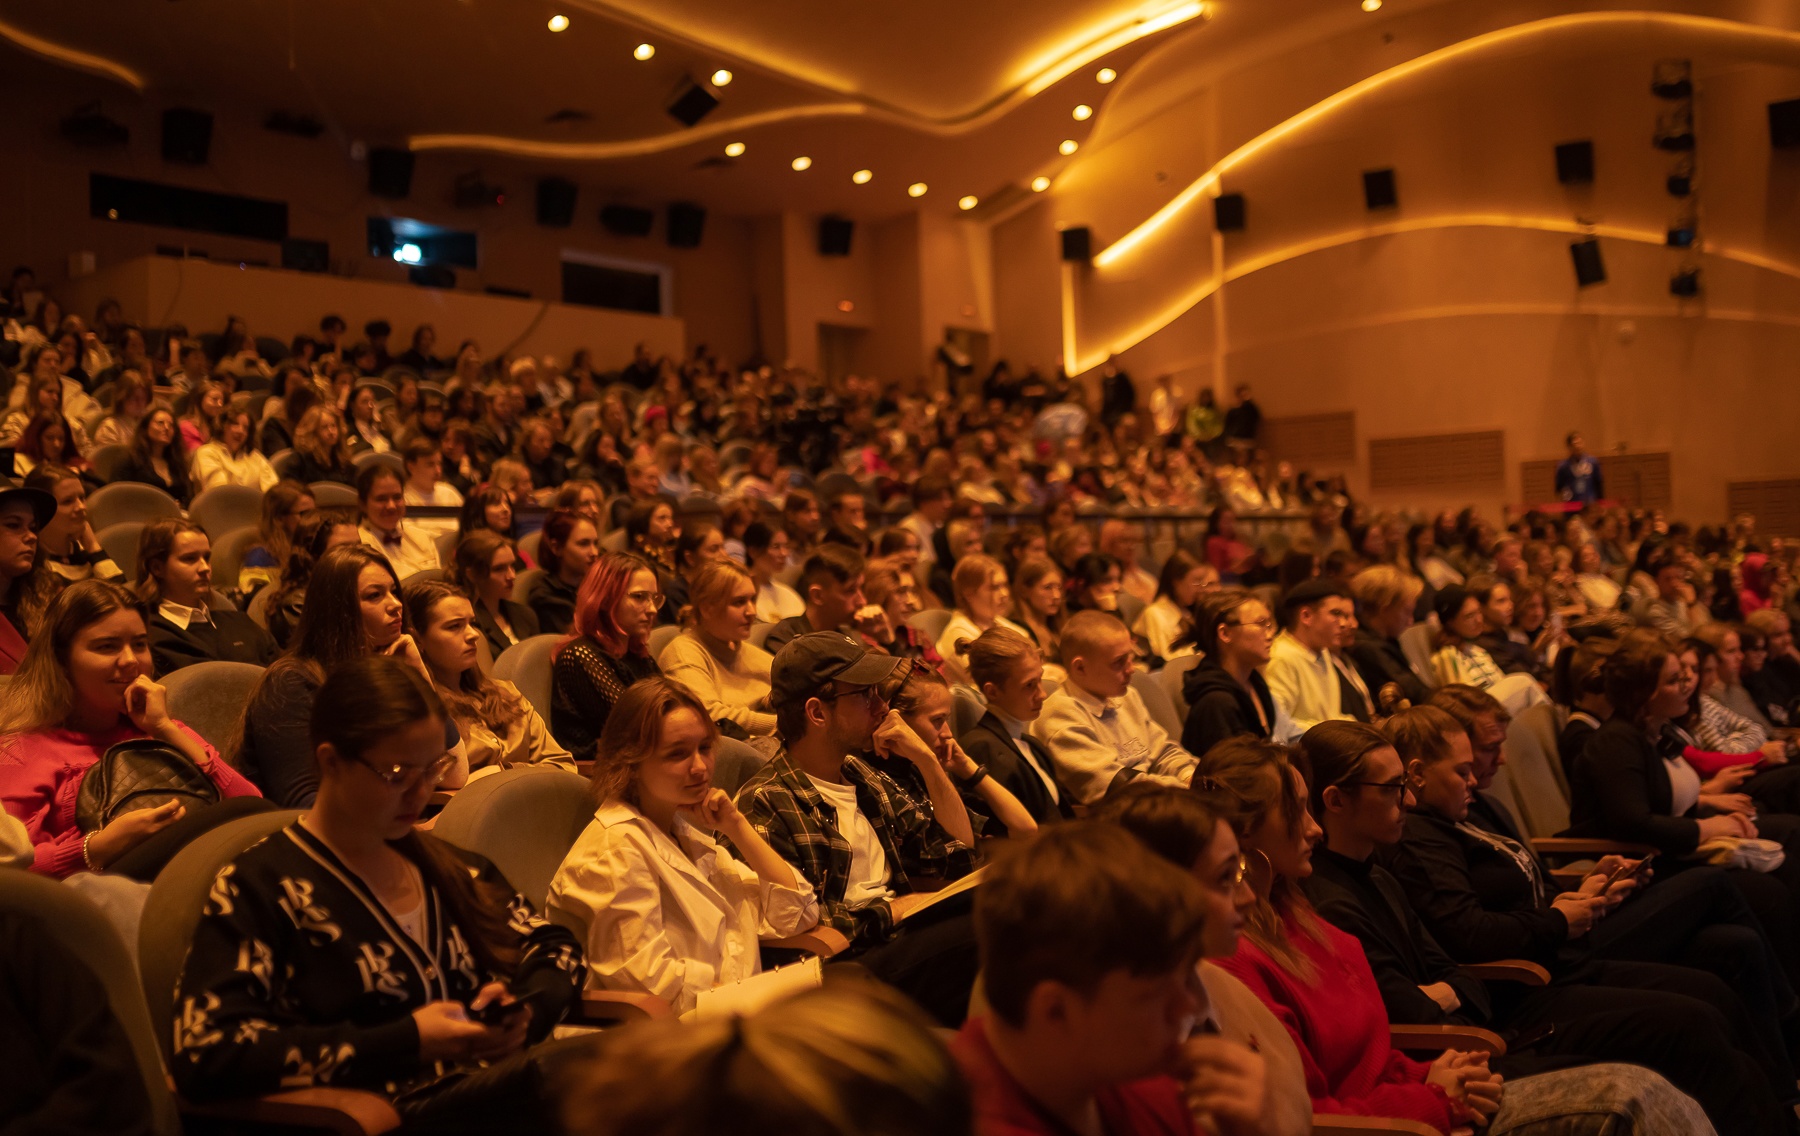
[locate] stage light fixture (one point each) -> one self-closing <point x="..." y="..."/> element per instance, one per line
<point x="1105" y="75"/>
<point x="734" y="149"/>
<point x="721" y="78"/>
<point x="1040" y="184"/>
<point x="967" y="202"/>
<point x="916" y="189"/>
<point x="409" y="254"/>
<point x="642" y="52"/>
<point x="802" y="163"/>
<point x="1083" y="112"/>
<point x="559" y="23"/>
<point x="862" y="177"/>
<point x="1069" y="146"/>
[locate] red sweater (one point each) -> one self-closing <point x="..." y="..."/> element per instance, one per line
<point x="1151" y="1107"/>
<point x="1341" y="1028"/>
<point x="40" y="778"/>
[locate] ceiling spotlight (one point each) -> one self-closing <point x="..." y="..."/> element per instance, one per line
<point x="1039" y="184"/>
<point x="846" y="305"/>
<point x="1083" y="112"/>
<point x="642" y="52"/>
<point x="1069" y="146"/>
<point x="861" y="177"/>
<point x="967" y="202"/>
<point x="1105" y="75"/>
<point x="916" y="189"/>
<point x="559" y="23"/>
<point x="721" y="78"/>
<point x="802" y="163"/>
<point x="734" y="149"/>
<point x="1371" y="5"/>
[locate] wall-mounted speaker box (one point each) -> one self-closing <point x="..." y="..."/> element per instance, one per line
<point x="186" y="135"/>
<point x="686" y="225"/>
<point x="1575" y="163"/>
<point x="1784" y="124"/>
<point x="306" y="256"/>
<point x="1379" y="190"/>
<point x="1078" y="243"/>
<point x="390" y="172"/>
<point x="88" y="127"/>
<point x="1589" y="268"/>
<point x="692" y="103"/>
<point x="1685" y="283"/>
<point x="626" y="220"/>
<point x="556" y="202"/>
<point x="1228" y="212"/>
<point x="432" y="276"/>
<point x="834" y="236"/>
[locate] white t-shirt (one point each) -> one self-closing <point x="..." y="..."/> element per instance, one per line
<point x="868" y="863"/>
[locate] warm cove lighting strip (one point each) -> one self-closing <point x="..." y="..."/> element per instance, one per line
<point x="631" y="147"/>
<point x="70" y="57"/>
<point x="1075" y="364"/>
<point x="1208" y="183"/>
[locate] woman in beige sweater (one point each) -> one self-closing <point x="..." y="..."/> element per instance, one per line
<point x="710" y="658"/>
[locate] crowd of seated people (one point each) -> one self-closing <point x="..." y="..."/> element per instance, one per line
<point x="932" y="699"/>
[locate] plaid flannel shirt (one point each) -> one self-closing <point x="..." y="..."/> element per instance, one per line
<point x="781" y="803"/>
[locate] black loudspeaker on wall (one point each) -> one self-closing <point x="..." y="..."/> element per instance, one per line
<point x="1228" y="212"/>
<point x="1379" y="191"/>
<point x="556" y="203"/>
<point x="186" y="135"/>
<point x="1589" y="269"/>
<point x="692" y="103"/>
<point x="687" y="222"/>
<point x="1077" y="243"/>
<point x="834" y="236"/>
<point x="306" y="256"/>
<point x="626" y="220"/>
<point x="1575" y="163"/>
<point x="1784" y="124"/>
<point x="390" y="172"/>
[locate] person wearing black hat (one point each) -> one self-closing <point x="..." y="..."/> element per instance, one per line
<point x="26" y="582"/>
<point x="859" y="841"/>
<point x="1301" y="673"/>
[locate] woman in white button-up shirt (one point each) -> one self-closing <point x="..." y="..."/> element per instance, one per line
<point x="662" y="906"/>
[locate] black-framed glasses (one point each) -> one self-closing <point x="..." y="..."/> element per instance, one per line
<point x="870" y="694"/>
<point x="409" y="776"/>
<point x="1397" y="788"/>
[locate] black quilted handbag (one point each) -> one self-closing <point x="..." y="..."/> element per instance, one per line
<point x="139" y="774"/>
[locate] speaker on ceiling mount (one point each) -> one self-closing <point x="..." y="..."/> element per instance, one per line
<point x="1379" y="191"/>
<point x="1575" y="163"/>
<point x="186" y="135"/>
<point x="686" y="224"/>
<point x="1784" y="124"/>
<point x="390" y="172"/>
<point x="626" y="220"/>
<point x="692" y="103"/>
<point x="1078" y="244"/>
<point x="834" y="236"/>
<point x="556" y="202"/>
<point x="1228" y="212"/>
<point x="1589" y="268"/>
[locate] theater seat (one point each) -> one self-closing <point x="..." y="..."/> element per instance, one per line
<point x="524" y="819"/>
<point x="661" y="637"/>
<point x="121" y="543"/>
<point x="1172" y="676"/>
<point x="759" y="634"/>
<point x="333" y="495"/>
<point x="224" y="508"/>
<point x="211" y="697"/>
<point x="930" y="622"/>
<point x="107" y="461"/>
<point x="228" y="554"/>
<point x="526" y="665"/>
<point x="129" y="501"/>
<point x="967" y="709"/>
<point x="737" y="762"/>
<point x="1156" y="701"/>
<point x="524" y="582"/>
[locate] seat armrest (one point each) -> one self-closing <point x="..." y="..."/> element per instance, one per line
<point x="1581" y="846"/>
<point x="1436" y="1039"/>
<point x="343" y="1112"/>
<point x="825" y="942"/>
<point x="1522" y="971"/>
<point x="1324" y="1125"/>
<point x="615" y="1007"/>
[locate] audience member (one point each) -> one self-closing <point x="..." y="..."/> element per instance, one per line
<point x="933" y="499"/>
<point x="319" y="534"/>
<point x="381" y="493"/>
<point x="285" y="507"/>
<point x="1301" y="673"/>
<point x="982" y="599"/>
<point x="1169" y="619"/>
<point x="67" y="541"/>
<point x="893" y="590"/>
<point x="1226" y="693"/>
<point x="939" y="769"/>
<point x="206" y="403"/>
<point x="567" y="550"/>
<point x="1386" y="599"/>
<point x="1038" y="601"/>
<point x="831" y="586"/>
<point x="486" y="570"/>
<point x="766" y="555"/>
<point x="174" y="583"/>
<point x="607" y="650"/>
<point x="27" y="585"/>
<point x="1123" y="541"/>
<point x="711" y="659"/>
<point x="230" y="459"/>
<point x="698" y="544"/>
<point x="320" y="451"/>
<point x="1008" y="669"/>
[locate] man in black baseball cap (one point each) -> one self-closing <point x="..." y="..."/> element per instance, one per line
<point x="856" y="836"/>
<point x="22" y="513"/>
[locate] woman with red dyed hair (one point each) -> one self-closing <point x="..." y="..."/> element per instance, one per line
<point x="607" y="651"/>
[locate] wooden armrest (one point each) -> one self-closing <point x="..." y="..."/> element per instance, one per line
<point x="1439" y="1038"/>
<point x="1522" y="971"/>
<point x="1581" y="846"/>
<point x="346" y="1112"/>
<point x="1569" y="878"/>
<point x="825" y="942"/>
<point x="1324" y="1125"/>
<point x="611" y="1007"/>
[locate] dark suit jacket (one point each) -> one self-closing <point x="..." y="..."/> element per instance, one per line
<point x="231" y="637"/>
<point x="988" y="743"/>
<point x="524" y="624"/>
<point x="1381" y="661"/>
<point x="1620" y="791"/>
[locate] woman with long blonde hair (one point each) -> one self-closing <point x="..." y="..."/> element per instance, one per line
<point x="320" y="445"/>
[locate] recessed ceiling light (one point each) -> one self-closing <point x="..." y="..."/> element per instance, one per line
<point x="846" y="305"/>
<point x="1105" y="75"/>
<point x="1371" y="5"/>
<point x="916" y="189"/>
<point x="559" y="22"/>
<point x="1039" y="184"/>
<point x="802" y="163"/>
<point x="734" y="149"/>
<point x="1083" y="112"/>
<point x="1069" y="146"/>
<point x="721" y="78"/>
<point x="861" y="177"/>
<point x="643" y="51"/>
<point x="968" y="201"/>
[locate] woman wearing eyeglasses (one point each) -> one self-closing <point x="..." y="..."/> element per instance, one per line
<point x="1669" y="1019"/>
<point x="1317" y="980"/>
<point x="607" y="651"/>
<point x="352" y="609"/>
<point x="1226" y="693"/>
<point x="350" y="950"/>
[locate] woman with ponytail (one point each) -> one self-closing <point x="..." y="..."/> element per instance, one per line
<point x="351" y="950"/>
